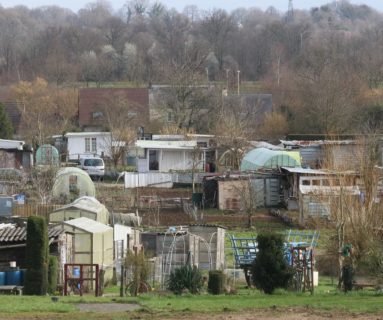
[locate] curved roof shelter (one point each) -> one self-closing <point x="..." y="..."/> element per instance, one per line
<point x="262" y="158"/>
<point x="87" y="207"/>
<point x="72" y="183"/>
<point x="47" y="155"/>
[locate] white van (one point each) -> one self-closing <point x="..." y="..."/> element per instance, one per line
<point x="94" y="166"/>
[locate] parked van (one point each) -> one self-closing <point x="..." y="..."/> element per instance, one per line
<point x="94" y="166"/>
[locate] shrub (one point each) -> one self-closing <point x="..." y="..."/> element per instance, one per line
<point x="216" y="283"/>
<point x="270" y="269"/>
<point x="52" y="274"/>
<point x="185" y="277"/>
<point x="138" y="266"/>
<point x="36" y="278"/>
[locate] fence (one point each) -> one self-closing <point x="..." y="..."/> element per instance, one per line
<point x="27" y="210"/>
<point x="159" y="179"/>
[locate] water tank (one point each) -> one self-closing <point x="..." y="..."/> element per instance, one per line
<point x="6" y="206"/>
<point x="13" y="278"/>
<point x="2" y="278"/>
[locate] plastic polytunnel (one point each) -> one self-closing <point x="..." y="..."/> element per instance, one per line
<point x="72" y="183"/>
<point x="47" y="155"/>
<point x="262" y="158"/>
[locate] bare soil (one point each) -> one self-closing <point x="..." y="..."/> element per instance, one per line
<point x="112" y="311"/>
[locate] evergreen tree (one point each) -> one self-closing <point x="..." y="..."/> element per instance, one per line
<point x="270" y="269"/>
<point x="36" y="278"/>
<point x="6" y="129"/>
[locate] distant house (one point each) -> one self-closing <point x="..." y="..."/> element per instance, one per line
<point x="92" y="102"/>
<point x="14" y="154"/>
<point x="166" y="153"/>
<point x="312" y="191"/>
<point x="250" y="106"/>
<point x="85" y="144"/>
<point x="160" y="96"/>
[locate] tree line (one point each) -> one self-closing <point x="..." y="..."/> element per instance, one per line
<point x="323" y="66"/>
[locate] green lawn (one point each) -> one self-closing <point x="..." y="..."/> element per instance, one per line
<point x="326" y="297"/>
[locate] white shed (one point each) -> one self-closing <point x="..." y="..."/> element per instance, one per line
<point x="92" y="243"/>
<point x="86" y="144"/>
<point x="87" y="207"/>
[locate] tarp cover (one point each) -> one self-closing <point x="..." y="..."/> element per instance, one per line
<point x="262" y="158"/>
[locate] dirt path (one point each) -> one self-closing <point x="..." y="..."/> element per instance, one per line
<point x="113" y="311"/>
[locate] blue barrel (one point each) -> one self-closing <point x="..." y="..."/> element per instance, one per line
<point x="76" y="272"/>
<point x="2" y="278"/>
<point x="13" y="278"/>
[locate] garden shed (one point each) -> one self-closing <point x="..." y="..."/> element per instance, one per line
<point x="92" y="243"/>
<point x="71" y="183"/>
<point x="262" y="158"/>
<point x="87" y="207"/>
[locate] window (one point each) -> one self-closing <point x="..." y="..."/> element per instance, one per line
<point x="170" y="116"/>
<point x="97" y="115"/>
<point x="87" y="144"/>
<point x="94" y="145"/>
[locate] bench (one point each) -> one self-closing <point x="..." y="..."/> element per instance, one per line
<point x="361" y="286"/>
<point x="11" y="289"/>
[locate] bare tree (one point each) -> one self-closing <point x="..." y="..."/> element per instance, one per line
<point x="231" y="134"/>
<point x="120" y="117"/>
<point x="355" y="211"/>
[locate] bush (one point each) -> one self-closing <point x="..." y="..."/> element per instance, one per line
<point x="138" y="266"/>
<point x="216" y="283"/>
<point x="185" y="278"/>
<point x="52" y="274"/>
<point x="270" y="269"/>
<point x="36" y="277"/>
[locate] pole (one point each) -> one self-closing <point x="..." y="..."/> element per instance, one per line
<point x="227" y="80"/>
<point x="238" y="72"/>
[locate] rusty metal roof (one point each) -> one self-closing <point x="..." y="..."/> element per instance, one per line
<point x="19" y="234"/>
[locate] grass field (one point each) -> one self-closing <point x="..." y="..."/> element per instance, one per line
<point x="161" y="304"/>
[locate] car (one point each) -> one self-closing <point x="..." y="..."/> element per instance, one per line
<point x="95" y="167"/>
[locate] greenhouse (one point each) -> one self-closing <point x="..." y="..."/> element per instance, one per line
<point x="47" y="155"/>
<point x="71" y="183"/>
<point x="262" y="158"/>
<point x="87" y="207"/>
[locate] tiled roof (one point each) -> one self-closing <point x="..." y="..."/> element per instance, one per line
<point x="19" y="234"/>
<point x="91" y="100"/>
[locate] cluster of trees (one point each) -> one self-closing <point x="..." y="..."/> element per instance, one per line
<point x="322" y="66"/>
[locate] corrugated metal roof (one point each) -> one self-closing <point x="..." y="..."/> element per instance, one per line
<point x="88" y="225"/>
<point x="163" y="144"/>
<point x="307" y="143"/>
<point x="11" y="144"/>
<point x="304" y="170"/>
<point x="19" y="234"/>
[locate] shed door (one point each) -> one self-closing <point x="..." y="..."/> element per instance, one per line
<point x="272" y="192"/>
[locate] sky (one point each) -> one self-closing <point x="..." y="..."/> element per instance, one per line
<point x="228" y="5"/>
